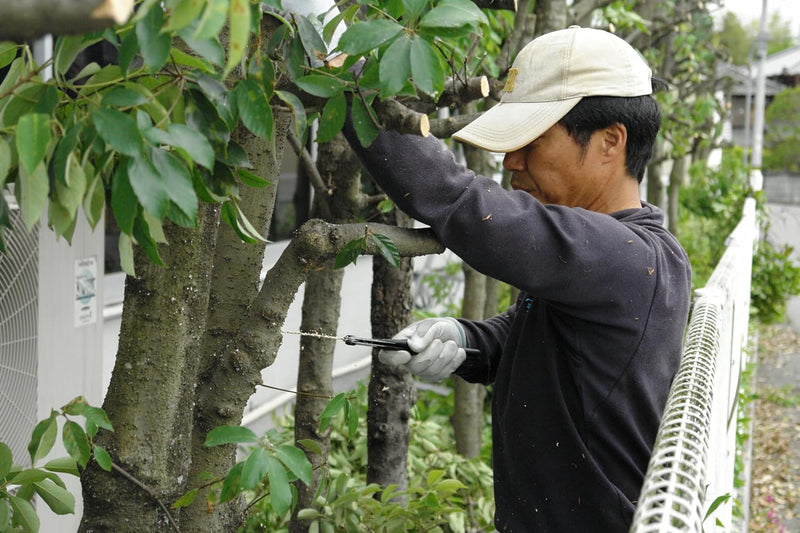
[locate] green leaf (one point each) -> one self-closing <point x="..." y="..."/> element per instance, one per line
<point x="254" y="108"/>
<point x="252" y="180"/>
<point x="148" y="185"/>
<point x="234" y="217"/>
<point x="144" y="238"/>
<point x="97" y="417"/>
<point x="125" y="247"/>
<point x="8" y="51"/>
<point x="65" y="465"/>
<point x="413" y="8"/>
<point x="386" y="247"/>
<point x="229" y="435"/>
<point x="48" y="101"/>
<point x="255" y="468"/>
<point x="76" y="443"/>
<point x="5" y="514"/>
<point x="67" y="49"/>
<point x="719" y="500"/>
<point x="60" y="500"/>
<point x="196" y="146"/>
<point x="312" y="42"/>
<point x="63" y="150"/>
<point x="296" y="461"/>
<point x="395" y="67"/>
<point x="33" y="191"/>
<point x="119" y="131"/>
<point x="177" y="181"/>
<point x="24" y="514"/>
<point x="332" y="118"/>
<point x="185" y="500"/>
<point x="182" y="13"/>
<point x="33" y="136"/>
<point x="350" y="252"/>
<point x="426" y="67"/>
<point x="298" y="111"/>
<point x="153" y="44"/>
<point x="43" y="437"/>
<point x="232" y="483"/>
<point x="5" y="160"/>
<point x="321" y="85"/>
<point x="28" y="476"/>
<point x="213" y="19"/>
<point x="102" y="458"/>
<point x="70" y="194"/>
<point x="128" y="50"/>
<point x="366" y="130"/>
<point x="122" y="97"/>
<point x="362" y="37"/>
<point x="351" y="416"/>
<point x="280" y="491"/>
<point x="95" y="200"/>
<point x="331" y="410"/>
<point x="208" y="48"/>
<point x="6" y="460"/>
<point x="239" y="31"/>
<point x="310" y="445"/>
<point x="452" y="14"/>
<point x="123" y="199"/>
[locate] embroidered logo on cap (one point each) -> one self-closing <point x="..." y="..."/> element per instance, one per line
<point x="512" y="75"/>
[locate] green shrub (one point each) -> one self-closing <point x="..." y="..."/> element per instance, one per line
<point x="711" y="207"/>
<point x="446" y="492"/>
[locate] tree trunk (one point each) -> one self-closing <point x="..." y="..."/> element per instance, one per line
<point x="165" y="308"/>
<point x="468" y="415"/>
<point x="235" y="284"/>
<point x="391" y="391"/>
<point x="551" y="15"/>
<point x="676" y="179"/>
<point x="338" y="166"/>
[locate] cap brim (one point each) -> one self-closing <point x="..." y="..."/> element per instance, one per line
<point x="509" y="126"/>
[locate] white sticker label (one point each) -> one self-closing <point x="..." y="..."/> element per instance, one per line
<point x="85" y="291"/>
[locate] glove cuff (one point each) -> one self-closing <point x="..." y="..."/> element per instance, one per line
<point x="462" y="336"/>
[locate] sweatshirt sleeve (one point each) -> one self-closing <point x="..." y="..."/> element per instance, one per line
<point x="571" y="257"/>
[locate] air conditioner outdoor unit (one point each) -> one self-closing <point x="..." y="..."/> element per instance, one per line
<point x="51" y="336"/>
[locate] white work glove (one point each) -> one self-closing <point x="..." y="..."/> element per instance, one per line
<point x="439" y="343"/>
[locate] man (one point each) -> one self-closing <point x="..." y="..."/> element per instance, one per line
<point x="583" y="362"/>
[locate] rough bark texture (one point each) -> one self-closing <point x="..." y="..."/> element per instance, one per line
<point x="29" y="19"/>
<point x="338" y="166"/>
<point x="235" y="283"/>
<point x="164" y="314"/>
<point x="391" y="391"/>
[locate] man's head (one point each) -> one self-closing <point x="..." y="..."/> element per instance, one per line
<point x="565" y="77"/>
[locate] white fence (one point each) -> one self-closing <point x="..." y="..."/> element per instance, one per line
<point x="692" y="465"/>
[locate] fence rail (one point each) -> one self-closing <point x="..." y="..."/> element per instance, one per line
<point x="692" y="464"/>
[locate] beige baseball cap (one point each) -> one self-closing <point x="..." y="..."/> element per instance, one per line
<point x="549" y="77"/>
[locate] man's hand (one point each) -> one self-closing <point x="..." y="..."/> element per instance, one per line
<point x="439" y="346"/>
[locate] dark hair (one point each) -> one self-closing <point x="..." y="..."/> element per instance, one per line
<point x="640" y="115"/>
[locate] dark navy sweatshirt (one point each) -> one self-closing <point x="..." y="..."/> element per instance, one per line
<point x="583" y="362"/>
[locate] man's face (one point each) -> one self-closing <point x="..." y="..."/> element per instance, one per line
<point x="555" y="170"/>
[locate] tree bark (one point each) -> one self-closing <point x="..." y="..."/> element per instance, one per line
<point x="338" y="166"/>
<point x="235" y="283"/>
<point x="26" y="20"/>
<point x="165" y="308"/>
<point x="468" y="416"/>
<point x="391" y="391"/>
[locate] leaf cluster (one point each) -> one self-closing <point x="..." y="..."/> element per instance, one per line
<point x="18" y="485"/>
<point x="446" y="492"/>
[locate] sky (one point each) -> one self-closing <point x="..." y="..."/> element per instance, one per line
<point x="748" y="10"/>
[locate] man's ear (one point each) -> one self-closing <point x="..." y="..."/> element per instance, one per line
<point x="615" y="139"/>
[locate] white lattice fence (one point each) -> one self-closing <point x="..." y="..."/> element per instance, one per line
<point x="693" y="458"/>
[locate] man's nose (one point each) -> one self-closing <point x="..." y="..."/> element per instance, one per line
<point x="514" y="161"/>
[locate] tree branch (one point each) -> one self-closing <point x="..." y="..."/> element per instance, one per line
<point x="149" y="492"/>
<point x="21" y="21"/>
<point x="308" y="164"/>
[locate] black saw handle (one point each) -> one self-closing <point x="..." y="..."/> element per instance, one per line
<point x="392" y="344"/>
